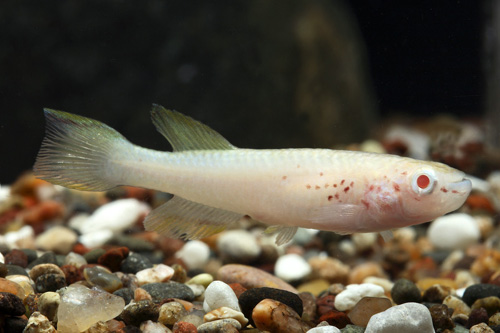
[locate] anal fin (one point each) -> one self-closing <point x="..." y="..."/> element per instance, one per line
<point x="387" y="235"/>
<point x="181" y="218"/>
<point x="285" y="234"/>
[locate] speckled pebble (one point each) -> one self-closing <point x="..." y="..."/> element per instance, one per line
<point x="135" y="263"/>
<point x="405" y="291"/>
<point x="271" y="315"/>
<point x="218" y="326"/>
<point x="348" y="298"/>
<point x="219" y="294"/>
<point x="194" y="254"/>
<point x="136" y="313"/>
<point x="16" y="257"/>
<point x="458" y="306"/>
<point x="49" y="282"/>
<point x="171" y="312"/>
<point x="407" y="317"/>
<point x="481" y="328"/>
<point x="42" y="269"/>
<point x="441" y="318"/>
<point x="38" y="323"/>
<point x="11" y="305"/>
<point x="161" y="291"/>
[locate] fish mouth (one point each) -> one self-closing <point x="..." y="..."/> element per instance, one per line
<point x="463" y="186"/>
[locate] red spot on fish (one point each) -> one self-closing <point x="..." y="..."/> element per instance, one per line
<point x="337" y="196"/>
<point x="298" y="166"/>
<point x="317" y="187"/>
<point x="454" y="191"/>
<point x="308" y="186"/>
<point x="321" y="174"/>
<point x="342" y="182"/>
<point x="330" y="197"/>
<point x="326" y="185"/>
<point x="284" y="177"/>
<point x="396" y="187"/>
<point x="334" y="185"/>
<point x="404" y="173"/>
<point x="371" y="187"/>
<point x="365" y="203"/>
<point x="351" y="184"/>
<point x="443" y="190"/>
<point x="346" y="189"/>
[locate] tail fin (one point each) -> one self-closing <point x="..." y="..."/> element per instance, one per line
<point x="75" y="152"/>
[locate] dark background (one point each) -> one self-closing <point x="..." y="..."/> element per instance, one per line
<point x="110" y="60"/>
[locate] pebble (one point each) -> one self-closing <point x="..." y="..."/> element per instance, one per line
<point x="46" y="258"/>
<point x="49" y="282"/>
<point x="274" y="316"/>
<point x="481" y="328"/>
<point x="368" y="269"/>
<point x="477" y="316"/>
<point x="57" y="239"/>
<point x="441" y="318"/>
<point x="16" y="257"/>
<point x="250" y="298"/>
<point x="113" y="258"/>
<point x="405" y="291"/>
<point x="292" y="267"/>
<point x="14" y="324"/>
<point x="407" y="317"/>
<point x="22" y="238"/>
<point x="184" y="327"/>
<point x="93" y="255"/>
<point x="75" y="259"/>
<point x="138" y="312"/>
<point x="194" y="254"/>
<point x="95" y="239"/>
<point x="151" y="327"/>
<point x="48" y="303"/>
<point x="38" y="323"/>
<point x="458" y="306"/>
<point x="159" y="273"/>
<point x="348" y="298"/>
<point x="135" y="263"/>
<point x="436" y="293"/>
<point x="171" y="312"/>
<point x="116" y="216"/>
<point x="478" y="291"/>
<point x="336" y="318"/>
<point x="324" y="329"/>
<point x="238" y="246"/>
<point x="219" y="326"/>
<point x="315" y="287"/>
<point x="81" y="307"/>
<point x="103" y="278"/>
<point x="251" y="277"/>
<point x="12" y="288"/>
<point x="366" y="308"/>
<point x="126" y="293"/>
<point x="225" y="312"/>
<point x="11" y="305"/>
<point x="491" y="304"/>
<point x="171" y="289"/>
<point x="330" y="269"/>
<point x="203" y="279"/>
<point x="219" y="294"/>
<point x="454" y="231"/>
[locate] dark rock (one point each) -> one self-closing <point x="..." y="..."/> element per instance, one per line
<point x="16" y="270"/>
<point x="138" y="312"/>
<point x="11" y="305"/>
<point x="135" y="263"/>
<point x="31" y="302"/>
<point x="49" y="282"/>
<point x="436" y="294"/>
<point x="250" y="298"/>
<point x="336" y="318"/>
<point x="491" y="304"/>
<point x="16" y="257"/>
<point x="126" y="293"/>
<point x="133" y="243"/>
<point x="309" y="305"/>
<point x="15" y="324"/>
<point x="46" y="258"/>
<point x="131" y="329"/>
<point x="161" y="291"/>
<point x="72" y="274"/>
<point x="32" y="255"/>
<point x="405" y="291"/>
<point x="477" y="316"/>
<point x="113" y="258"/>
<point x="478" y="291"/>
<point x="60" y="258"/>
<point x="441" y="318"/>
<point x="93" y="255"/>
<point x="325" y="304"/>
<point x="4" y="270"/>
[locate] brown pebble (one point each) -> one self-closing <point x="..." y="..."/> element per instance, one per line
<point x="72" y="274"/>
<point x="274" y="316"/>
<point x="309" y="306"/>
<point x="43" y="269"/>
<point x="141" y="295"/>
<point x="491" y="304"/>
<point x="325" y="304"/>
<point x="359" y="273"/>
<point x="11" y="287"/>
<point x="366" y="308"/>
<point x="238" y="289"/>
<point x="16" y="257"/>
<point x="441" y="318"/>
<point x="336" y="318"/>
<point x="184" y="327"/>
<point x="477" y="316"/>
<point x="330" y="269"/>
<point x="113" y="258"/>
<point x="436" y="294"/>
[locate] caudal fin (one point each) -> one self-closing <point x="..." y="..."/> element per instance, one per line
<point x="76" y="151"/>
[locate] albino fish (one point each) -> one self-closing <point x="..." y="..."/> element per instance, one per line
<point x="215" y="184"/>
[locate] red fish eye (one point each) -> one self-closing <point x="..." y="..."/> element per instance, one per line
<point x="423" y="181"/>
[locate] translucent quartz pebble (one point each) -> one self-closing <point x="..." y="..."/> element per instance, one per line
<point x="75" y="259"/>
<point x="99" y="276"/>
<point x="80" y="308"/>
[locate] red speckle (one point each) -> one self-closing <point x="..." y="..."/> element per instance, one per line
<point x="317" y="187"/>
<point x="404" y="173"/>
<point x="342" y="182"/>
<point x="396" y="187"/>
<point x="372" y="187"/>
<point x="443" y="190"/>
<point x="284" y="177"/>
<point x="351" y="184"/>
<point x="326" y="185"/>
<point x="454" y="191"/>
<point x="337" y="196"/>
<point x="365" y="203"/>
<point x="346" y="189"/>
<point x="330" y="197"/>
<point x="334" y="185"/>
<point x="321" y="174"/>
<point x="308" y="186"/>
<point x="298" y="166"/>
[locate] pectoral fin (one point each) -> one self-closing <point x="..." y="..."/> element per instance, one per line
<point x="181" y="218"/>
<point x="285" y="234"/>
<point x="185" y="133"/>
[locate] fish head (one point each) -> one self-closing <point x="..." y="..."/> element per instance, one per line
<point x="430" y="190"/>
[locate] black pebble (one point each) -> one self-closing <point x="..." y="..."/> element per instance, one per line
<point x="16" y="270"/>
<point x="4" y="270"/>
<point x="11" y="305"/>
<point x="138" y="312"/>
<point x="46" y="258"/>
<point x="250" y="298"/>
<point x="405" y="291"/>
<point x="135" y="263"/>
<point x="161" y="291"/>
<point x="478" y="291"/>
<point x="49" y="282"/>
<point x="32" y="255"/>
<point x="126" y="293"/>
<point x="15" y="324"/>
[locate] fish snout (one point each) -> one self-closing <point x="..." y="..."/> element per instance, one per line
<point x="463" y="187"/>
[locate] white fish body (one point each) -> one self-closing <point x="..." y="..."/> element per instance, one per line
<point x="215" y="184"/>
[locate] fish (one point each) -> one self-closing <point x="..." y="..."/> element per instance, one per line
<point x="215" y="184"/>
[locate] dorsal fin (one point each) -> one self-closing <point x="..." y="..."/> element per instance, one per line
<point x="185" y="133"/>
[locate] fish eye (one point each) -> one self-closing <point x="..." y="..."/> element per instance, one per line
<point x="423" y="182"/>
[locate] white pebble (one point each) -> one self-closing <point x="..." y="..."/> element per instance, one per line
<point x="194" y="254"/>
<point x="384" y="283"/>
<point x="408" y="318"/>
<point x="75" y="259"/>
<point x="116" y="216"/>
<point x="353" y="293"/>
<point x="58" y="239"/>
<point x="292" y="267"/>
<point x="156" y="274"/>
<point x="364" y="241"/>
<point x="219" y="294"/>
<point x="2" y="258"/>
<point x="324" y="329"/>
<point x="418" y="143"/>
<point x="96" y="239"/>
<point x="239" y="245"/>
<point x="22" y="238"/>
<point x="453" y="231"/>
<point x="4" y="192"/>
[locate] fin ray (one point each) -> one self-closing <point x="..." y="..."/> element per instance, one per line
<point x="285" y="234"/>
